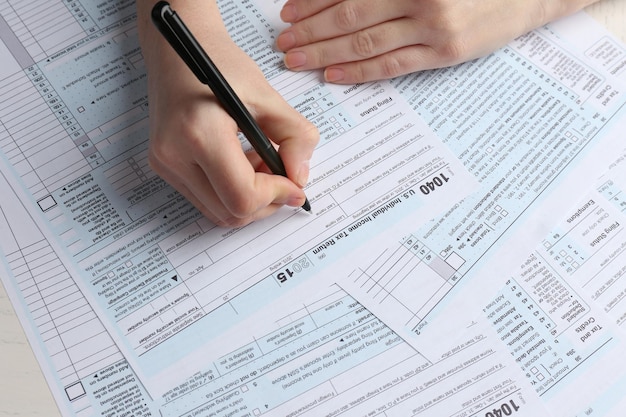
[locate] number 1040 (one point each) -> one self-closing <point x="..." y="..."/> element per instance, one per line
<point x="505" y="409"/>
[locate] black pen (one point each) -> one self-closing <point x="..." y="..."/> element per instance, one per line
<point x="185" y="44"/>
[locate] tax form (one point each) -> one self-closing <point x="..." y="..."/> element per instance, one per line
<point x="425" y="286"/>
<point x="564" y="300"/>
<point x="587" y="246"/>
<point x="532" y="122"/>
<point x="86" y="369"/>
<point x="74" y="144"/>
<point x="329" y="357"/>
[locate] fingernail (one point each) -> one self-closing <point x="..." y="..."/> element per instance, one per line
<point x="295" y="201"/>
<point x="303" y="174"/>
<point x="295" y="59"/>
<point x="333" y="75"/>
<point x="286" y="40"/>
<point x="289" y="13"/>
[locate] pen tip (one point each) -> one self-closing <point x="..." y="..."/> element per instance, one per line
<point x="307" y="205"/>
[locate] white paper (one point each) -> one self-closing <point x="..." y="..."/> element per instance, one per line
<point x="158" y="274"/>
<point x="86" y="370"/>
<point x="532" y="123"/>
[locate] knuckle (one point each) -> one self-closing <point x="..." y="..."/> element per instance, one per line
<point x="305" y="32"/>
<point x="232" y="222"/>
<point x="310" y="133"/>
<point x="320" y="57"/>
<point x="357" y="74"/>
<point x="158" y="153"/>
<point x="347" y="16"/>
<point x="241" y="206"/>
<point x="452" y="48"/>
<point x="363" y="44"/>
<point x="391" y="66"/>
<point x="453" y="51"/>
<point x="153" y="163"/>
<point x="193" y="137"/>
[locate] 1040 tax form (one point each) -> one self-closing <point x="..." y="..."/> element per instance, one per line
<point x="139" y="305"/>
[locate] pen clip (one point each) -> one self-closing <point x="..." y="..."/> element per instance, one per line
<point x="179" y="37"/>
<point x="189" y="49"/>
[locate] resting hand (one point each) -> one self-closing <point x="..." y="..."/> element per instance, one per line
<point x="194" y="144"/>
<point x="364" y="40"/>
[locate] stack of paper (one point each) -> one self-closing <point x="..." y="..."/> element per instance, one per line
<point x="464" y="255"/>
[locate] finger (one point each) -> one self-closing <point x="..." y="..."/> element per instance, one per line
<point x="226" y="220"/>
<point x="295" y="135"/>
<point x="342" y="18"/>
<point x="185" y="174"/>
<point x="241" y="190"/>
<point x="294" y="10"/>
<point x="392" y="64"/>
<point x="170" y="176"/>
<point x="198" y="190"/>
<point x="176" y="160"/>
<point x="357" y="46"/>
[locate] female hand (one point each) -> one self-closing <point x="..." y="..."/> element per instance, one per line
<point x="364" y="40"/>
<point x="194" y="144"/>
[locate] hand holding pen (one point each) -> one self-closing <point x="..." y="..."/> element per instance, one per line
<point x="194" y="143"/>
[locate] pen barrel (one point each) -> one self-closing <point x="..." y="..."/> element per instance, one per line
<point x="263" y="147"/>
<point x="189" y="49"/>
<point x="191" y="52"/>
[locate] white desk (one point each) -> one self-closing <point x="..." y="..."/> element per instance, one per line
<point x="23" y="390"/>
